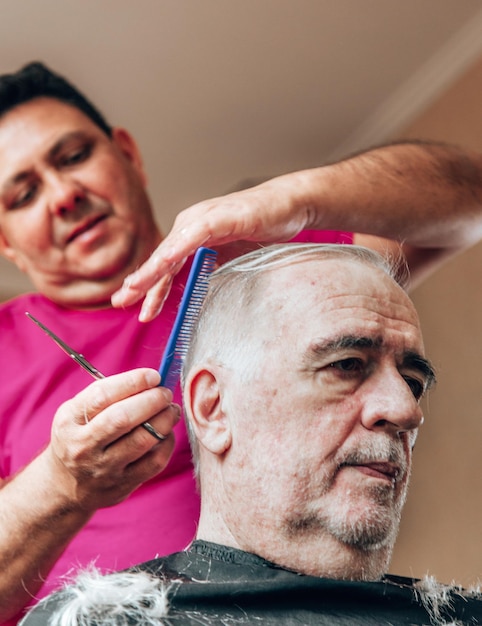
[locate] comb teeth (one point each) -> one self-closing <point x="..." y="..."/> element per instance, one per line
<point x="187" y="315"/>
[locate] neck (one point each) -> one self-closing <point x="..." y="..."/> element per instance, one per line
<point x="316" y="554"/>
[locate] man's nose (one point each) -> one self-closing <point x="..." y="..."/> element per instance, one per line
<point x="65" y="195"/>
<point x="390" y="404"/>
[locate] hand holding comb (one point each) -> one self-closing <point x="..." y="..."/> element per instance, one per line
<point x="178" y="342"/>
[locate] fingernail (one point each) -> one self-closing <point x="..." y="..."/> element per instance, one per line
<point x="153" y="378"/>
<point x="148" y="312"/>
<point x="127" y="282"/>
<point x="143" y="315"/>
<point x="145" y="310"/>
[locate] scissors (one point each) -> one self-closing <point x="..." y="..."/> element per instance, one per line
<point x="88" y="367"/>
<point x="78" y="358"/>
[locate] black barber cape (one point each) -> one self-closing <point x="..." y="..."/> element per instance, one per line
<point x="212" y="584"/>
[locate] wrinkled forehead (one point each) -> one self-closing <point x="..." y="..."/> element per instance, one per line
<point x="334" y="293"/>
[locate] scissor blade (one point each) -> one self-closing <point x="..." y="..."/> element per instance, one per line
<point x="78" y="358"/>
<point x="53" y="336"/>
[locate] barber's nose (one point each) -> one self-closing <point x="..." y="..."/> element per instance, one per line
<point x="64" y="194"/>
<point x="390" y="404"/>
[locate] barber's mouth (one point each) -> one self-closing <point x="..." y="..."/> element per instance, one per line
<point x="85" y="227"/>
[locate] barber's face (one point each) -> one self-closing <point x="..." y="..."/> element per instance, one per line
<point x="323" y="430"/>
<point x="74" y="214"/>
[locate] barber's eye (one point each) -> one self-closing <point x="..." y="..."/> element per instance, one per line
<point x="416" y="387"/>
<point x="24" y="197"/>
<point x="73" y="157"/>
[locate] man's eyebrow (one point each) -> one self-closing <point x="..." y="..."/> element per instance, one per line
<point x="411" y="359"/>
<point x="345" y="341"/>
<point x="65" y="139"/>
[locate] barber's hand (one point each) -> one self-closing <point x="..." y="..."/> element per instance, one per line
<point x="265" y="213"/>
<point x="99" y="451"/>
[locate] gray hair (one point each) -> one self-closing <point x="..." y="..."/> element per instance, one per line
<point x="235" y="300"/>
<point x="117" y="599"/>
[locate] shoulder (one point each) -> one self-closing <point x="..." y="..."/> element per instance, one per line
<point x="211" y="584"/>
<point x="277" y="599"/>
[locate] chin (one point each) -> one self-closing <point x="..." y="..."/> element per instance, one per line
<point x="362" y="526"/>
<point x="369" y="528"/>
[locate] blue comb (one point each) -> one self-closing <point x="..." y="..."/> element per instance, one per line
<point x="191" y="302"/>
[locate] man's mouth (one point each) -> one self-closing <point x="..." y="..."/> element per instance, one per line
<point x="383" y="470"/>
<point x="85" y="226"/>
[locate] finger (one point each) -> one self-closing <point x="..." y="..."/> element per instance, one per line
<point x="154" y="278"/>
<point x="145" y="468"/>
<point x="151" y="430"/>
<point x="115" y="438"/>
<point x="106" y="478"/>
<point x="121" y="418"/>
<point x="155" y="274"/>
<point x="155" y="298"/>
<point x="100" y="395"/>
<point x="163" y="423"/>
<point x="135" y="444"/>
<point x="165" y="260"/>
<point x="192" y="228"/>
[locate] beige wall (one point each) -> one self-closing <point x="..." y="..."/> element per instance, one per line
<point x="442" y="526"/>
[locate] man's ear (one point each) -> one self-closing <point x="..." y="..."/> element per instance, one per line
<point x="203" y="403"/>
<point x="129" y="148"/>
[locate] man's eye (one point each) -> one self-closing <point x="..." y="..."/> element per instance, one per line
<point x="348" y="365"/>
<point x="23" y="198"/>
<point x="76" y="156"/>
<point x="416" y="387"/>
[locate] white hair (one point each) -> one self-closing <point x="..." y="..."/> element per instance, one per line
<point x="235" y="286"/>
<point x="435" y="597"/>
<point x="118" y="599"/>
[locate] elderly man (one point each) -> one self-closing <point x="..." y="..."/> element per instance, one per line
<point x="302" y="389"/>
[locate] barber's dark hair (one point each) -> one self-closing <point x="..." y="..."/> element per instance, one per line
<point x="35" y="80"/>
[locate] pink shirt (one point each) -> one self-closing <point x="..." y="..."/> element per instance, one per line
<point x="37" y="376"/>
